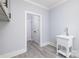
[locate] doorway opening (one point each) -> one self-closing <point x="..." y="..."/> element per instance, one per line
<point x="33" y="29"/>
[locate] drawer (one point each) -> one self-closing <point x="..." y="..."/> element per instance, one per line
<point x="62" y="41"/>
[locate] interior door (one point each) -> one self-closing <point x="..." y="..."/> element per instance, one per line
<point x="36" y="28"/>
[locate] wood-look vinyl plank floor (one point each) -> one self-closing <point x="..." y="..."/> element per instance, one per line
<point x="35" y="51"/>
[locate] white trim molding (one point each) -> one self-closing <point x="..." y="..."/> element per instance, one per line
<point x="12" y="54"/>
<point x="26" y="12"/>
<point x="52" y="44"/>
<point x="36" y="4"/>
<point x="42" y="6"/>
<point x="58" y="4"/>
<point x="75" y="53"/>
<point x="44" y="44"/>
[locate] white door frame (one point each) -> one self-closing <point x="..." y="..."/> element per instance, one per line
<point x="26" y="12"/>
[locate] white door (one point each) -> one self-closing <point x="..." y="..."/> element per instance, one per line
<point x="36" y="28"/>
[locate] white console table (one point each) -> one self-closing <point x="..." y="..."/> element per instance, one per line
<point x="64" y="45"/>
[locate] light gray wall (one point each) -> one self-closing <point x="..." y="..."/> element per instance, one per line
<point x="45" y="14"/>
<point x="12" y="34"/>
<point x="63" y="15"/>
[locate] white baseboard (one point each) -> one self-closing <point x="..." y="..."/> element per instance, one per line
<point x="75" y="53"/>
<point x="44" y="44"/>
<point x="52" y="44"/>
<point x="48" y="43"/>
<point x="12" y="54"/>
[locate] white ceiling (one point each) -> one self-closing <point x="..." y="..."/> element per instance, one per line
<point x="46" y="3"/>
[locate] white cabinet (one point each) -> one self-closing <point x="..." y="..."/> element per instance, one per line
<point x="64" y="45"/>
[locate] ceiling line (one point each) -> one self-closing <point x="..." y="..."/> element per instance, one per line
<point x="57" y="4"/>
<point x="37" y="4"/>
<point x="53" y="6"/>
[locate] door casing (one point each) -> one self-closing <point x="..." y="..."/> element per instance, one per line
<point x="30" y="12"/>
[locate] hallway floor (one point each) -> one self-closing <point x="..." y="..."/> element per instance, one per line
<point x="34" y="51"/>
